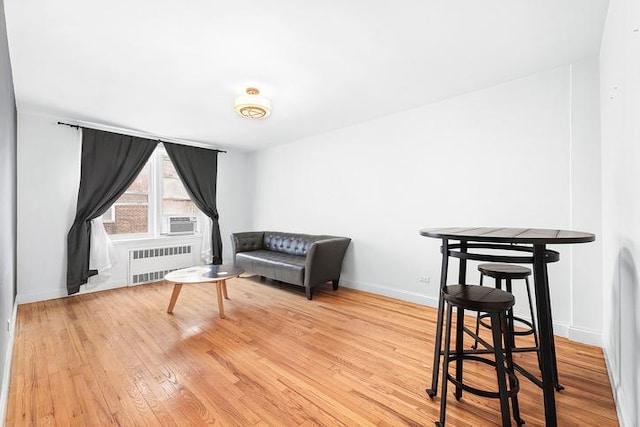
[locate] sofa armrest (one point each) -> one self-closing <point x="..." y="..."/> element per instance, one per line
<point x="324" y="260"/>
<point x="247" y="241"/>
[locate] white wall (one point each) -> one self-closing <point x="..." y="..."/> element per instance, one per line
<point x="497" y="157"/>
<point x="235" y="180"/>
<point x="620" y="106"/>
<point x="48" y="177"/>
<point x="7" y="211"/>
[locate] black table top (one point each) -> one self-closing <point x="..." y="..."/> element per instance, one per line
<point x="509" y="235"/>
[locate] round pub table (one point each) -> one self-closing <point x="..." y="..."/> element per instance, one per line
<point x="217" y="274"/>
<point x="523" y="246"/>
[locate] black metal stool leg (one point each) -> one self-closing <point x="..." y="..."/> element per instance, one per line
<point x="459" y="350"/>
<point x="496" y="329"/>
<point x="475" y="341"/>
<point x="513" y="384"/>
<point x="510" y="322"/>
<point x="445" y="368"/>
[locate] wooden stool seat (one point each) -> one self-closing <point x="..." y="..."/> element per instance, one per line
<point x="478" y="298"/>
<point x="504" y="271"/>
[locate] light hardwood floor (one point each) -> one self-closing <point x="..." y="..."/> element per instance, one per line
<point x="346" y="358"/>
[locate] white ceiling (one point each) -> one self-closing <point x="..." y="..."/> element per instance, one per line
<point x="173" y="68"/>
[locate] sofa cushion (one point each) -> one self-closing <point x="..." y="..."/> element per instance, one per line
<point x="250" y="241"/>
<point x="288" y="243"/>
<point x="276" y="265"/>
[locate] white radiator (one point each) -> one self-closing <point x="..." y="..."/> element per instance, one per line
<point x="151" y="264"/>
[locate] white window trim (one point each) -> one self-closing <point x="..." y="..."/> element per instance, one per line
<point x="111" y="215"/>
<point x="155" y="191"/>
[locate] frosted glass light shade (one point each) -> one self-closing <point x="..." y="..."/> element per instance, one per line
<point x="252" y="105"/>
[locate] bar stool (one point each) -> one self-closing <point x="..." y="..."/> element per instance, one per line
<point x="509" y="272"/>
<point x="496" y="303"/>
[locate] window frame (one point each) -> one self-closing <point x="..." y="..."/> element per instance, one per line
<point x="111" y="212"/>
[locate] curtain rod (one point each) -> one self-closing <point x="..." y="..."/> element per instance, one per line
<point x="157" y="139"/>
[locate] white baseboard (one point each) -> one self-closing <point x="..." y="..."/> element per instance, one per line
<point x="618" y="395"/>
<point x="6" y="376"/>
<point x="40" y="296"/>
<point x="61" y="293"/>
<point x="403" y="295"/>
<point x="585" y="336"/>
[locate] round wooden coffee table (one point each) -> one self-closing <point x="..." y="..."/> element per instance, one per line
<point x="217" y="274"/>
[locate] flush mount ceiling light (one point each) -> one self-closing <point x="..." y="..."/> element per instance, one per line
<point x="252" y="105"/>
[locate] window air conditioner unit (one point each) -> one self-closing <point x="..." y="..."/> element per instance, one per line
<point x="182" y="224"/>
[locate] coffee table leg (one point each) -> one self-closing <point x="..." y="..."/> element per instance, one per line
<point x="219" y="286"/>
<point x="224" y="289"/>
<point x="174" y="297"/>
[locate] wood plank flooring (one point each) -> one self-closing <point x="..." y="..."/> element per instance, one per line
<point x="347" y="358"/>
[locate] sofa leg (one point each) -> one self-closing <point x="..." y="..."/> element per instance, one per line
<point x="335" y="284"/>
<point x="308" y="291"/>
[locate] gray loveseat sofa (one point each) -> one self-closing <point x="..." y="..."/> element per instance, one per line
<point x="301" y="259"/>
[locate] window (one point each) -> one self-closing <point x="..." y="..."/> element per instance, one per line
<point x="130" y="213"/>
<point x="156" y="195"/>
<point x="175" y="199"/>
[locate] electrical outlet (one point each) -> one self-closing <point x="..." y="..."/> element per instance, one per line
<point x="425" y="279"/>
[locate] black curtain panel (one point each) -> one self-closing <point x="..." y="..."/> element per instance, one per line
<point x="110" y="163"/>
<point x="198" y="170"/>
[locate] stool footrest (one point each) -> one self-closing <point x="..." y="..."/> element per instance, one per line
<point x="477" y="391"/>
<point x="524" y="349"/>
<point x="522" y="333"/>
<point x="525" y="322"/>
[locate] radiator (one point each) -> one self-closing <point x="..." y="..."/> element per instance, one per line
<point x="151" y="264"/>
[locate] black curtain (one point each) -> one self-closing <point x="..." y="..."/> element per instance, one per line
<point x="110" y="163"/>
<point x="198" y="170"/>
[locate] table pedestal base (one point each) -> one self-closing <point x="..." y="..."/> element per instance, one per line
<point x="221" y="291"/>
